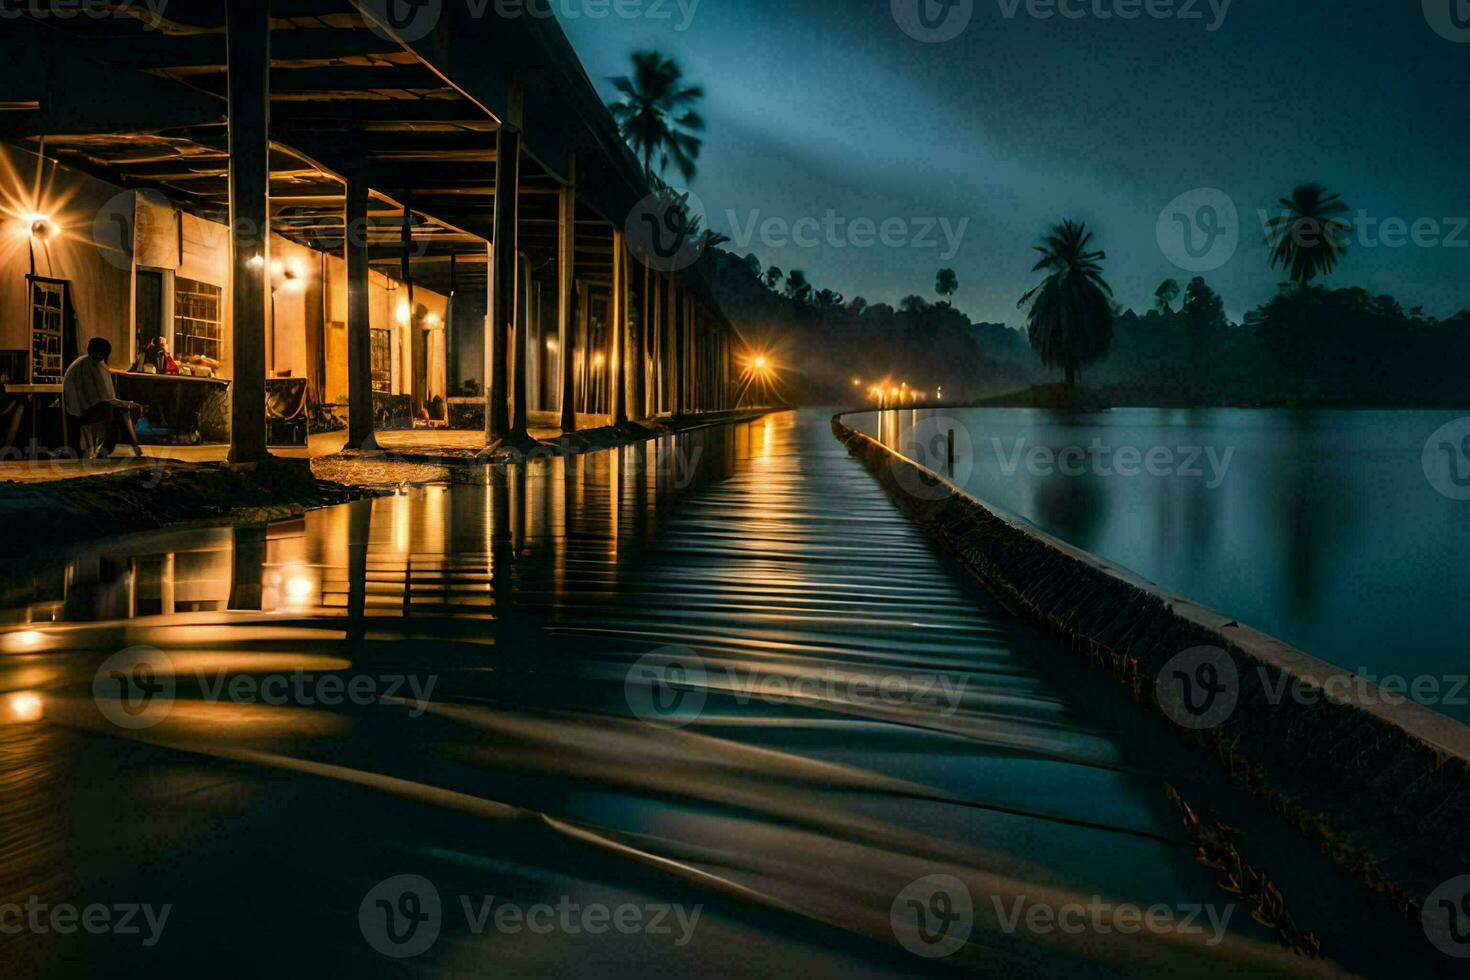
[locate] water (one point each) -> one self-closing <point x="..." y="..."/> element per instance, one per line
<point x="845" y="715"/>
<point x="1318" y="527"/>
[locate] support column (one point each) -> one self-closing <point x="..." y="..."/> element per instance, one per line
<point x="502" y="283"/>
<point x="566" y="257"/>
<point x="247" y="29"/>
<point x="360" y="413"/>
<point x="633" y="343"/>
<point x="676" y="328"/>
<point x="522" y="364"/>
<point x="617" y="333"/>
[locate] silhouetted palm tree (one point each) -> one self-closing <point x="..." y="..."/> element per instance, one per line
<point x="656" y="114"/>
<point x="774" y="276"/>
<point x="1310" y="236"/>
<point x="1071" y="318"/>
<point x="1165" y="295"/>
<point x="946" y="284"/>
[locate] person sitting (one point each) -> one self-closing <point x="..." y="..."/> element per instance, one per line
<point x="156" y="353"/>
<point x="89" y="398"/>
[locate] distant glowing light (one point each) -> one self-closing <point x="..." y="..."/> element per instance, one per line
<point x="432" y="320"/>
<point x="857" y="382"/>
<point x="760" y="362"/>
<point x="404" y="313"/>
<point x="22" y="706"/>
<point x="551" y="345"/>
<point x="598" y="360"/>
<point x="256" y="262"/>
<point x="299" y="589"/>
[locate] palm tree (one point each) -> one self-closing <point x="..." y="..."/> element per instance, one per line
<point x="946" y="284"/>
<point x="1165" y="295"/>
<point x="1070" y="322"/>
<point x="656" y="114"/>
<point x="1310" y="236"/>
<point x="774" y="275"/>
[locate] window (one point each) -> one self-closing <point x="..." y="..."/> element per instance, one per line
<point x="198" y="325"/>
<point x="383" y="360"/>
<point x="48" y="320"/>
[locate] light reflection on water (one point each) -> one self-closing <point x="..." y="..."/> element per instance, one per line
<point x="494" y="750"/>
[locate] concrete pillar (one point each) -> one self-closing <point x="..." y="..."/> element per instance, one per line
<point x="247" y="29"/>
<point x="676" y="328"/>
<point x="566" y="294"/>
<point x="521" y="366"/>
<point x="502" y="283"/>
<point x="359" y="324"/>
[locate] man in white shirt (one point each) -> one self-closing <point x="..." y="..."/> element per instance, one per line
<point x="89" y="398"/>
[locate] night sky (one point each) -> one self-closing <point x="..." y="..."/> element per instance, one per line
<point x="1018" y="122"/>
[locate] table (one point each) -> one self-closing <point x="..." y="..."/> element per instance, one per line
<point x="173" y="400"/>
<point x="32" y="394"/>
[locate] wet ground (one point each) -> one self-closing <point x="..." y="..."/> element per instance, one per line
<point x="708" y="706"/>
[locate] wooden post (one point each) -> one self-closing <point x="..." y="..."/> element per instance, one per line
<point x="633" y="342"/>
<point x="522" y="364"/>
<point x="247" y="28"/>
<point x="617" y="333"/>
<point x="502" y="282"/>
<point x="566" y="257"/>
<point x="360" y="412"/>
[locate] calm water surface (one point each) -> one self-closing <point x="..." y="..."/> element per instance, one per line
<point x="1319" y="527"/>
<point x="842" y="716"/>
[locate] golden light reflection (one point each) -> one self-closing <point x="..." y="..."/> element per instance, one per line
<point x="22" y="706"/>
<point x="23" y="640"/>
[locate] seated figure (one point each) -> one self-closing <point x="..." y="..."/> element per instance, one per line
<point x="89" y="398"/>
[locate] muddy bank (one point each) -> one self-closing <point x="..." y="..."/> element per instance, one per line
<point x="42" y="516"/>
<point x="1380" y="783"/>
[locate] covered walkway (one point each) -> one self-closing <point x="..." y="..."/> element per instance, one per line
<point x="414" y="217"/>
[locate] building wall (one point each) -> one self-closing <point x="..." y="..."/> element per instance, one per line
<point x="101" y="279"/>
<point x="103" y="231"/>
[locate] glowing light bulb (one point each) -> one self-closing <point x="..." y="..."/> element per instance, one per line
<point x="404" y="313"/>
